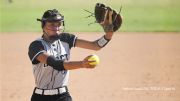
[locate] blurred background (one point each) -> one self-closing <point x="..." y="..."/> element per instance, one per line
<point x="139" y="15"/>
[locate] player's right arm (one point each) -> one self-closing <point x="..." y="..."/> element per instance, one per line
<point x="60" y="65"/>
<point x="37" y="55"/>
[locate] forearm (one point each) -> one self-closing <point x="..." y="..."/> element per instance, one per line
<point x="73" y="65"/>
<point x="95" y="45"/>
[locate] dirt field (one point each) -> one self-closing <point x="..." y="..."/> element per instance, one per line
<point x="133" y="67"/>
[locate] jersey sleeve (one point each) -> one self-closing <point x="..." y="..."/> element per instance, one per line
<point x="35" y="48"/>
<point x="69" y="38"/>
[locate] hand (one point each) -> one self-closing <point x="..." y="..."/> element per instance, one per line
<point x="108" y="35"/>
<point x="86" y="63"/>
<point x="107" y="17"/>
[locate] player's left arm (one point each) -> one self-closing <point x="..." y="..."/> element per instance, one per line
<point x="110" y="20"/>
<point x="94" y="45"/>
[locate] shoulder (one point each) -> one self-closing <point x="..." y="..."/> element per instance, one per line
<point x="65" y="36"/>
<point x="35" y="48"/>
<point x="36" y="43"/>
<point x="68" y="38"/>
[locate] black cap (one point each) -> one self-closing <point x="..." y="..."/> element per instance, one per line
<point x="51" y="15"/>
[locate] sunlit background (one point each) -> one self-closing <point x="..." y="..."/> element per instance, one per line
<point x="139" y="15"/>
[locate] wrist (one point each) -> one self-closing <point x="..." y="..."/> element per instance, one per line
<point x="108" y="28"/>
<point x="102" y="41"/>
<point x="108" y="35"/>
<point x="82" y="64"/>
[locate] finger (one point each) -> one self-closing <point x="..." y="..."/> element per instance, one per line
<point x="91" y="62"/>
<point x="86" y="59"/>
<point x="87" y="65"/>
<point x="91" y="66"/>
<point x="105" y="16"/>
<point x="110" y="16"/>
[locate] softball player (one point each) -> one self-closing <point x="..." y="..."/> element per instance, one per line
<point x="50" y="55"/>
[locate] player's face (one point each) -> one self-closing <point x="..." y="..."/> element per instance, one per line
<point x="52" y="28"/>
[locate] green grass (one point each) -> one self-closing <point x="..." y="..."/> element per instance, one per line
<point x="139" y="15"/>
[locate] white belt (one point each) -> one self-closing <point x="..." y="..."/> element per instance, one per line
<point x="50" y="91"/>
